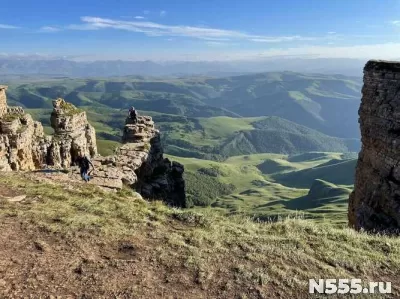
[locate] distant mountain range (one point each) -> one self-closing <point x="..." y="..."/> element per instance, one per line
<point x="36" y="65"/>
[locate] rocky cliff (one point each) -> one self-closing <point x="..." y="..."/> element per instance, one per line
<point x="22" y="142"/>
<point x="72" y="134"/>
<point x="138" y="163"/>
<point x="374" y="204"/>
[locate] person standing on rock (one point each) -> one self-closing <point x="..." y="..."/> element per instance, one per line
<point x="84" y="164"/>
<point x="133" y="114"/>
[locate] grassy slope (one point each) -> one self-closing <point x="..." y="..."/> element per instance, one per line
<point x="259" y="194"/>
<point x="90" y="244"/>
<point x="341" y="172"/>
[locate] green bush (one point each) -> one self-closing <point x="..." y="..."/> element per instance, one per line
<point x="202" y="190"/>
<point x="213" y="171"/>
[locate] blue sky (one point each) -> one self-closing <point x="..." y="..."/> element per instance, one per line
<point x="201" y="29"/>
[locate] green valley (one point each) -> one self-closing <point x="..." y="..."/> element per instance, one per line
<point x="252" y="185"/>
<point x="263" y="145"/>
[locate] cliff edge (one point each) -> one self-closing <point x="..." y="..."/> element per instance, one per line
<point x="374" y="204"/>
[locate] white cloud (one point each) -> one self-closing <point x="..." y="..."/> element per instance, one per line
<point x="146" y="12"/>
<point x="280" y="39"/>
<point x="49" y="29"/>
<point x="374" y="51"/>
<point x="215" y="39"/>
<point x="163" y="13"/>
<point x="331" y="32"/>
<point x="82" y="27"/>
<point x="215" y="44"/>
<point x="156" y="29"/>
<point x="396" y="23"/>
<point x="217" y="52"/>
<point x="139" y="18"/>
<point x="5" y="26"/>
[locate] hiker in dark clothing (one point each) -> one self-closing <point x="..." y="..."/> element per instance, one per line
<point x="133" y="114"/>
<point x="84" y="165"/>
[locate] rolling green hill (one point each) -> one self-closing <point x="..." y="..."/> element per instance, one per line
<point x="277" y="135"/>
<point x="336" y="171"/>
<point x="251" y="185"/>
<point x="226" y="137"/>
<point x="216" y="138"/>
<point x="324" y="200"/>
<point x="316" y="101"/>
<point x="325" y="103"/>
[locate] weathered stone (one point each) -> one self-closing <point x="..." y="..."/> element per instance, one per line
<point x="138" y="163"/>
<point x="3" y="100"/>
<point x="72" y="134"/>
<point x="21" y="138"/>
<point x="374" y="204"/>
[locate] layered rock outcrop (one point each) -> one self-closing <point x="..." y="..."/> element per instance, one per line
<point x="72" y="134"/>
<point x="22" y="142"/>
<point x="3" y="100"/>
<point x="138" y="163"/>
<point x="374" y="204"/>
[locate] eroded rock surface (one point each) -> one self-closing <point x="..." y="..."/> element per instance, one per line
<point x="375" y="202"/>
<point x="138" y="163"/>
<point x="23" y="145"/>
<point x="72" y="134"/>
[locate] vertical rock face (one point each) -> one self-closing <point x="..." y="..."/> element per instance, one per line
<point x="158" y="178"/>
<point x="72" y="134"/>
<point x="375" y="202"/>
<point x="3" y="100"/>
<point x="139" y="163"/>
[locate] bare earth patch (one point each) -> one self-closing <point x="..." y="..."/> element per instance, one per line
<point x="72" y="240"/>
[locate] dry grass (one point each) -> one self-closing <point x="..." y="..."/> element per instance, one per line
<point x="232" y="253"/>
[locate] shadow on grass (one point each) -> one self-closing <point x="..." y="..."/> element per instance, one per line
<point x="51" y="171"/>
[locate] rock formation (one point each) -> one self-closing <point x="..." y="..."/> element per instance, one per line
<point x="22" y="142"/>
<point x="72" y="134"/>
<point x="3" y="100"/>
<point x="374" y="204"/>
<point x="138" y="163"/>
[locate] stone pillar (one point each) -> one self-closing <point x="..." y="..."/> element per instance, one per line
<point x="3" y="100"/>
<point x="72" y="134"/>
<point x="374" y="204"/>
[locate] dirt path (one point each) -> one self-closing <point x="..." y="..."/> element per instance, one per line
<point x="39" y="264"/>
